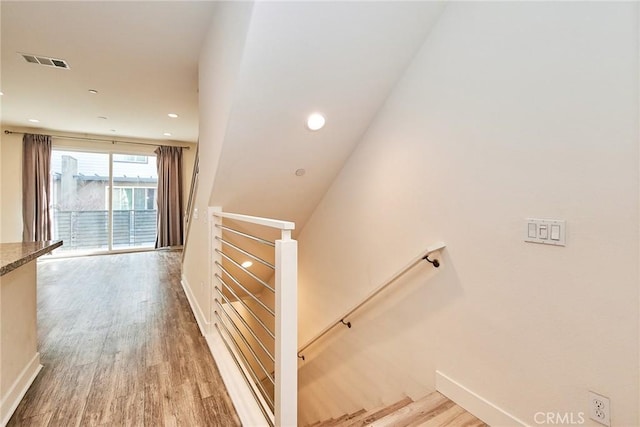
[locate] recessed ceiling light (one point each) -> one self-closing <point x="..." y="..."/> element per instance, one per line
<point x="34" y="120"/>
<point x="315" y="121"/>
<point x="102" y="117"/>
<point x="167" y="134"/>
<point x="300" y="172"/>
<point x="247" y="264"/>
<point x="113" y="130"/>
<point x="1" y="93"/>
<point x="173" y="115"/>
<point x="93" y="91"/>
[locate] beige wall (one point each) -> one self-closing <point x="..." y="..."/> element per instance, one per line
<point x="219" y="64"/>
<point x="19" y="357"/>
<point x="11" y="170"/>
<point x="11" y="188"/>
<point x="18" y="332"/>
<point x="509" y="110"/>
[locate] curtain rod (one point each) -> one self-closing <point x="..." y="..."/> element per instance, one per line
<point x="80" y="138"/>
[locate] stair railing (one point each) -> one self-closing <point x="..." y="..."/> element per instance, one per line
<point x="257" y="320"/>
<point x="344" y="318"/>
<point x="190" y="201"/>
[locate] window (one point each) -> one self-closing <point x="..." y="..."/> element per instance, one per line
<point x="130" y="158"/>
<point x="136" y="198"/>
<point x="93" y="210"/>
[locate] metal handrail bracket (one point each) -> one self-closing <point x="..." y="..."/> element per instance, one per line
<point x="342" y="319"/>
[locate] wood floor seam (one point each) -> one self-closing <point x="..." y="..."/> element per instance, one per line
<point x="121" y="347"/>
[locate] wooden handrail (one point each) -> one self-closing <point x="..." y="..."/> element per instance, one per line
<point x="341" y="320"/>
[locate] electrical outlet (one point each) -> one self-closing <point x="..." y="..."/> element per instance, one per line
<point x="599" y="408"/>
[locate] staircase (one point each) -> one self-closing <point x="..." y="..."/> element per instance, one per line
<point x="434" y="410"/>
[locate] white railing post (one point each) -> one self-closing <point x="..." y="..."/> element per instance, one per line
<point x="286" y="359"/>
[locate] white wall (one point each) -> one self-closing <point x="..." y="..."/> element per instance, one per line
<point x="509" y="110"/>
<point x="11" y="170"/>
<point x="220" y="61"/>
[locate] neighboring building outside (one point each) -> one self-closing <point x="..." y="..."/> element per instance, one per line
<point x="81" y="196"/>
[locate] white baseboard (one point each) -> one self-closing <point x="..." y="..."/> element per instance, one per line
<point x="248" y="410"/>
<point x="18" y="389"/>
<point x="243" y="400"/>
<point x="475" y="404"/>
<point x="203" y="322"/>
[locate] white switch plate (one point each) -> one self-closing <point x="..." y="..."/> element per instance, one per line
<point x="546" y="231"/>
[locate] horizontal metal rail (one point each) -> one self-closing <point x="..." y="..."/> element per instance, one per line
<point x="246" y="325"/>
<point x="343" y="320"/>
<point x="250" y="255"/>
<point x="244" y="340"/>
<point x="227" y="246"/>
<point x="248" y="236"/>
<point x="263" y="305"/>
<point x="252" y="384"/>
<point x="250" y="274"/>
<point x="244" y="304"/>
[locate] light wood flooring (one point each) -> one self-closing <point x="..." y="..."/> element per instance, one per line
<point x="120" y="347"/>
<point x="434" y="410"/>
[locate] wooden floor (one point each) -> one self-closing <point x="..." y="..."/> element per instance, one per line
<point x="120" y="347"/>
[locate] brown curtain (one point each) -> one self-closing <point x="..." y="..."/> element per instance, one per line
<point x="36" y="176"/>
<point x="170" y="232"/>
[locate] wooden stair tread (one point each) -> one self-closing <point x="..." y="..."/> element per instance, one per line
<point x="354" y="416"/>
<point x="440" y="419"/>
<point x="466" y="419"/>
<point x="375" y="414"/>
<point x="344" y="419"/>
<point x="434" y="410"/>
<point x="324" y="423"/>
<point x="412" y="412"/>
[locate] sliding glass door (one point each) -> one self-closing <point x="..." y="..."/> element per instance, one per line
<point x="103" y="201"/>
<point x="135" y="183"/>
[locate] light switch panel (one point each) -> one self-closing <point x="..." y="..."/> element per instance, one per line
<point x="546" y="231"/>
<point x="543" y="231"/>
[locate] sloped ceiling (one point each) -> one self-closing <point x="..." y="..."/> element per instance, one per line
<point x="338" y="58"/>
<point x="141" y="56"/>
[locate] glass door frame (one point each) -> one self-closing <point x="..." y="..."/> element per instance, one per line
<point x="110" y="213"/>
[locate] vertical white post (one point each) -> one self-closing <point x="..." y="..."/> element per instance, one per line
<point x="286" y="366"/>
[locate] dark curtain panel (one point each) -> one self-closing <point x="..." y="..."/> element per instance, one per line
<point x="170" y="228"/>
<point x="36" y="176"/>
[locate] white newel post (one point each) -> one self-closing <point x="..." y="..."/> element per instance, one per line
<point x="286" y="366"/>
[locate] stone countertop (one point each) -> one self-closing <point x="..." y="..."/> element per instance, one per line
<point x="13" y="255"/>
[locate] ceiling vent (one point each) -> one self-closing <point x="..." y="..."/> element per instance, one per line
<point x="45" y="60"/>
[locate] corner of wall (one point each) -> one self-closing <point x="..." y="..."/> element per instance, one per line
<point x="474" y="403"/>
